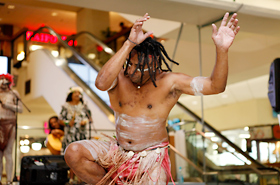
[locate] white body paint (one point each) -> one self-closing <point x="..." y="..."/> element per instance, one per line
<point x="140" y="130"/>
<point x="197" y="85"/>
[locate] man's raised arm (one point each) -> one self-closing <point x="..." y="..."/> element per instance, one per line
<point x="107" y="76"/>
<point x="223" y="39"/>
<point x="216" y="83"/>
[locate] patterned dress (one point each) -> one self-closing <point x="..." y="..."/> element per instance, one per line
<point x="77" y="132"/>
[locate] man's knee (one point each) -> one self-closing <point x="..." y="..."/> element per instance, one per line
<point x="73" y="152"/>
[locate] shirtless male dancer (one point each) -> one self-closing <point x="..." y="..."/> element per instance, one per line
<point x="142" y="95"/>
<point x="8" y="110"/>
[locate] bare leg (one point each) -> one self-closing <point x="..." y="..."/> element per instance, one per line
<point x="157" y="176"/>
<point x="8" y="152"/>
<point x="81" y="161"/>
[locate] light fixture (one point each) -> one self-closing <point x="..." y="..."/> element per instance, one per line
<point x="215" y="139"/>
<point x="11" y="6"/>
<point x="26" y="142"/>
<point x="21" y="142"/>
<point x="108" y="50"/>
<point x="59" y="62"/>
<point x="246" y="128"/>
<point x="55" y="53"/>
<point x="36" y="146"/>
<point x="54" y="14"/>
<point x="20" y="56"/>
<point x="24" y="149"/>
<point x="91" y="56"/>
<point x="209" y="134"/>
<point x="35" y="47"/>
<point x="244" y="136"/>
<point x="215" y="146"/>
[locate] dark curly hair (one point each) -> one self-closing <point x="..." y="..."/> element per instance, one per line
<point x="150" y="49"/>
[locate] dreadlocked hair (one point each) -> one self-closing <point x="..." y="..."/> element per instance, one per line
<point x="153" y="50"/>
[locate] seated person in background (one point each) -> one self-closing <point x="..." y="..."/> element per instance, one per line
<point x="54" y="139"/>
<point x="56" y="129"/>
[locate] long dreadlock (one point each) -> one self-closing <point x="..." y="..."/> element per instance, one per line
<point x="148" y="50"/>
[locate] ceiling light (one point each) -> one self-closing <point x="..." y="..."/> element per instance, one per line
<point x="209" y="134"/>
<point x="91" y="56"/>
<point x="215" y="146"/>
<point x="35" y="47"/>
<point x="59" y="62"/>
<point x="108" y="50"/>
<point x="26" y="142"/>
<point x="245" y="136"/>
<point x="215" y="139"/>
<point x="24" y="149"/>
<point x="11" y="6"/>
<point x="36" y="146"/>
<point x="21" y="142"/>
<point x="55" y="53"/>
<point x="54" y="14"/>
<point x="21" y="56"/>
<point x="246" y="128"/>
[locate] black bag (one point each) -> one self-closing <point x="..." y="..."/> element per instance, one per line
<point x="274" y="85"/>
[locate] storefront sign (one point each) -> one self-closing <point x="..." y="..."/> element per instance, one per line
<point x="47" y="38"/>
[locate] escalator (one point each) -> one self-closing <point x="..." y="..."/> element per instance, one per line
<point x="82" y="61"/>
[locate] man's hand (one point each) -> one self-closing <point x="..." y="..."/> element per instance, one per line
<point x="136" y="34"/>
<point x="224" y="36"/>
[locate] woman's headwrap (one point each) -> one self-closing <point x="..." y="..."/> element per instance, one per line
<point x="76" y="88"/>
<point x="9" y="77"/>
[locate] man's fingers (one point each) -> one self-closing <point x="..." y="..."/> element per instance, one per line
<point x="214" y="29"/>
<point x="237" y="30"/>
<point x="233" y="26"/>
<point x="232" y="20"/>
<point x="148" y="34"/>
<point x="224" y="21"/>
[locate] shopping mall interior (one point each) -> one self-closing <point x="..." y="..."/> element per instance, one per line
<point x="229" y="138"/>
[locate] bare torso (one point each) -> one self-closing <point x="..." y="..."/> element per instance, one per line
<point x="8" y="98"/>
<point x="141" y="113"/>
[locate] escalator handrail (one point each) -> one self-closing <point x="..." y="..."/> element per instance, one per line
<point x="217" y="133"/>
<point x="75" y="36"/>
<point x="82" y="59"/>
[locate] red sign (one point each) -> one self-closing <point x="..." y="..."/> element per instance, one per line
<point x="47" y="38"/>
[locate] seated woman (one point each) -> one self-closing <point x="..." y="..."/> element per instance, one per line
<point x="54" y="139"/>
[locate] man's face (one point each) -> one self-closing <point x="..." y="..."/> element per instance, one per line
<point x="4" y="83"/>
<point x="132" y="65"/>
